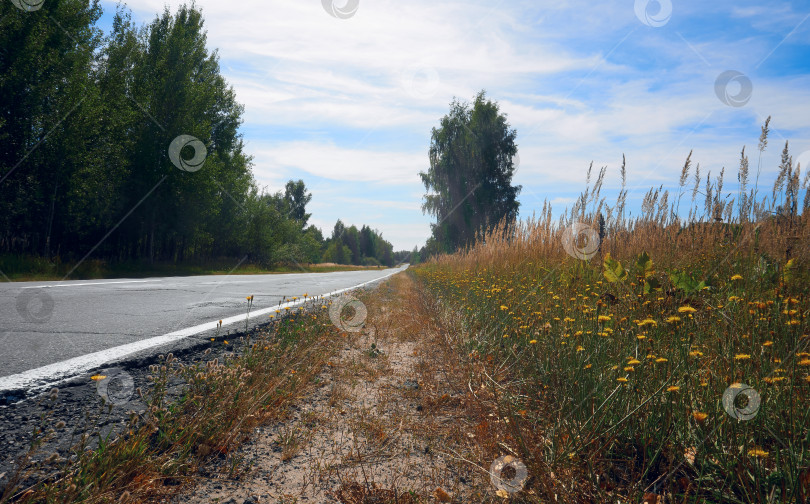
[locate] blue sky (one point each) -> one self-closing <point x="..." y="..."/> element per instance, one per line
<point x="347" y="103"/>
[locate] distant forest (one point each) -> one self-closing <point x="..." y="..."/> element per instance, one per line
<point x="126" y="147"/>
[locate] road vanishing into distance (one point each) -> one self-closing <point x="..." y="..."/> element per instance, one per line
<point x="51" y="331"/>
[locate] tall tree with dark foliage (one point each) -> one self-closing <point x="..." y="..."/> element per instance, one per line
<point x="472" y="156"/>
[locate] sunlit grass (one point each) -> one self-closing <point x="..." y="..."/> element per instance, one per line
<point x="620" y="361"/>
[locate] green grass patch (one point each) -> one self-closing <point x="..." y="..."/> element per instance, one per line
<point x="625" y="379"/>
<point x="33" y="268"/>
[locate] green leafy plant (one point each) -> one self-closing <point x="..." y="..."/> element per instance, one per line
<point x="613" y="270"/>
<point x="645" y="273"/>
<point x="787" y="271"/>
<point x="686" y="282"/>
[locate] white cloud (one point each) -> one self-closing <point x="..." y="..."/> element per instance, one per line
<point x="329" y="161"/>
<point x="351" y="102"/>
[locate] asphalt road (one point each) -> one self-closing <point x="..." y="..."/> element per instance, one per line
<point x="50" y="330"/>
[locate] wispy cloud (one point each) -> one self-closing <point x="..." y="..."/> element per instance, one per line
<point x="348" y="104"/>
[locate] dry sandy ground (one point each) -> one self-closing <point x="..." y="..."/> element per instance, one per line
<point x="372" y="424"/>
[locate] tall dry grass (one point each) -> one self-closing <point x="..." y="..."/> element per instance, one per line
<point x="776" y="224"/>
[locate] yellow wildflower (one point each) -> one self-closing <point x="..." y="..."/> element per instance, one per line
<point x="686" y="309"/>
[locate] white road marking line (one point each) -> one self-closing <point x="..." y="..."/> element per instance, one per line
<point x="48" y="376"/>
<point x="90" y="283"/>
